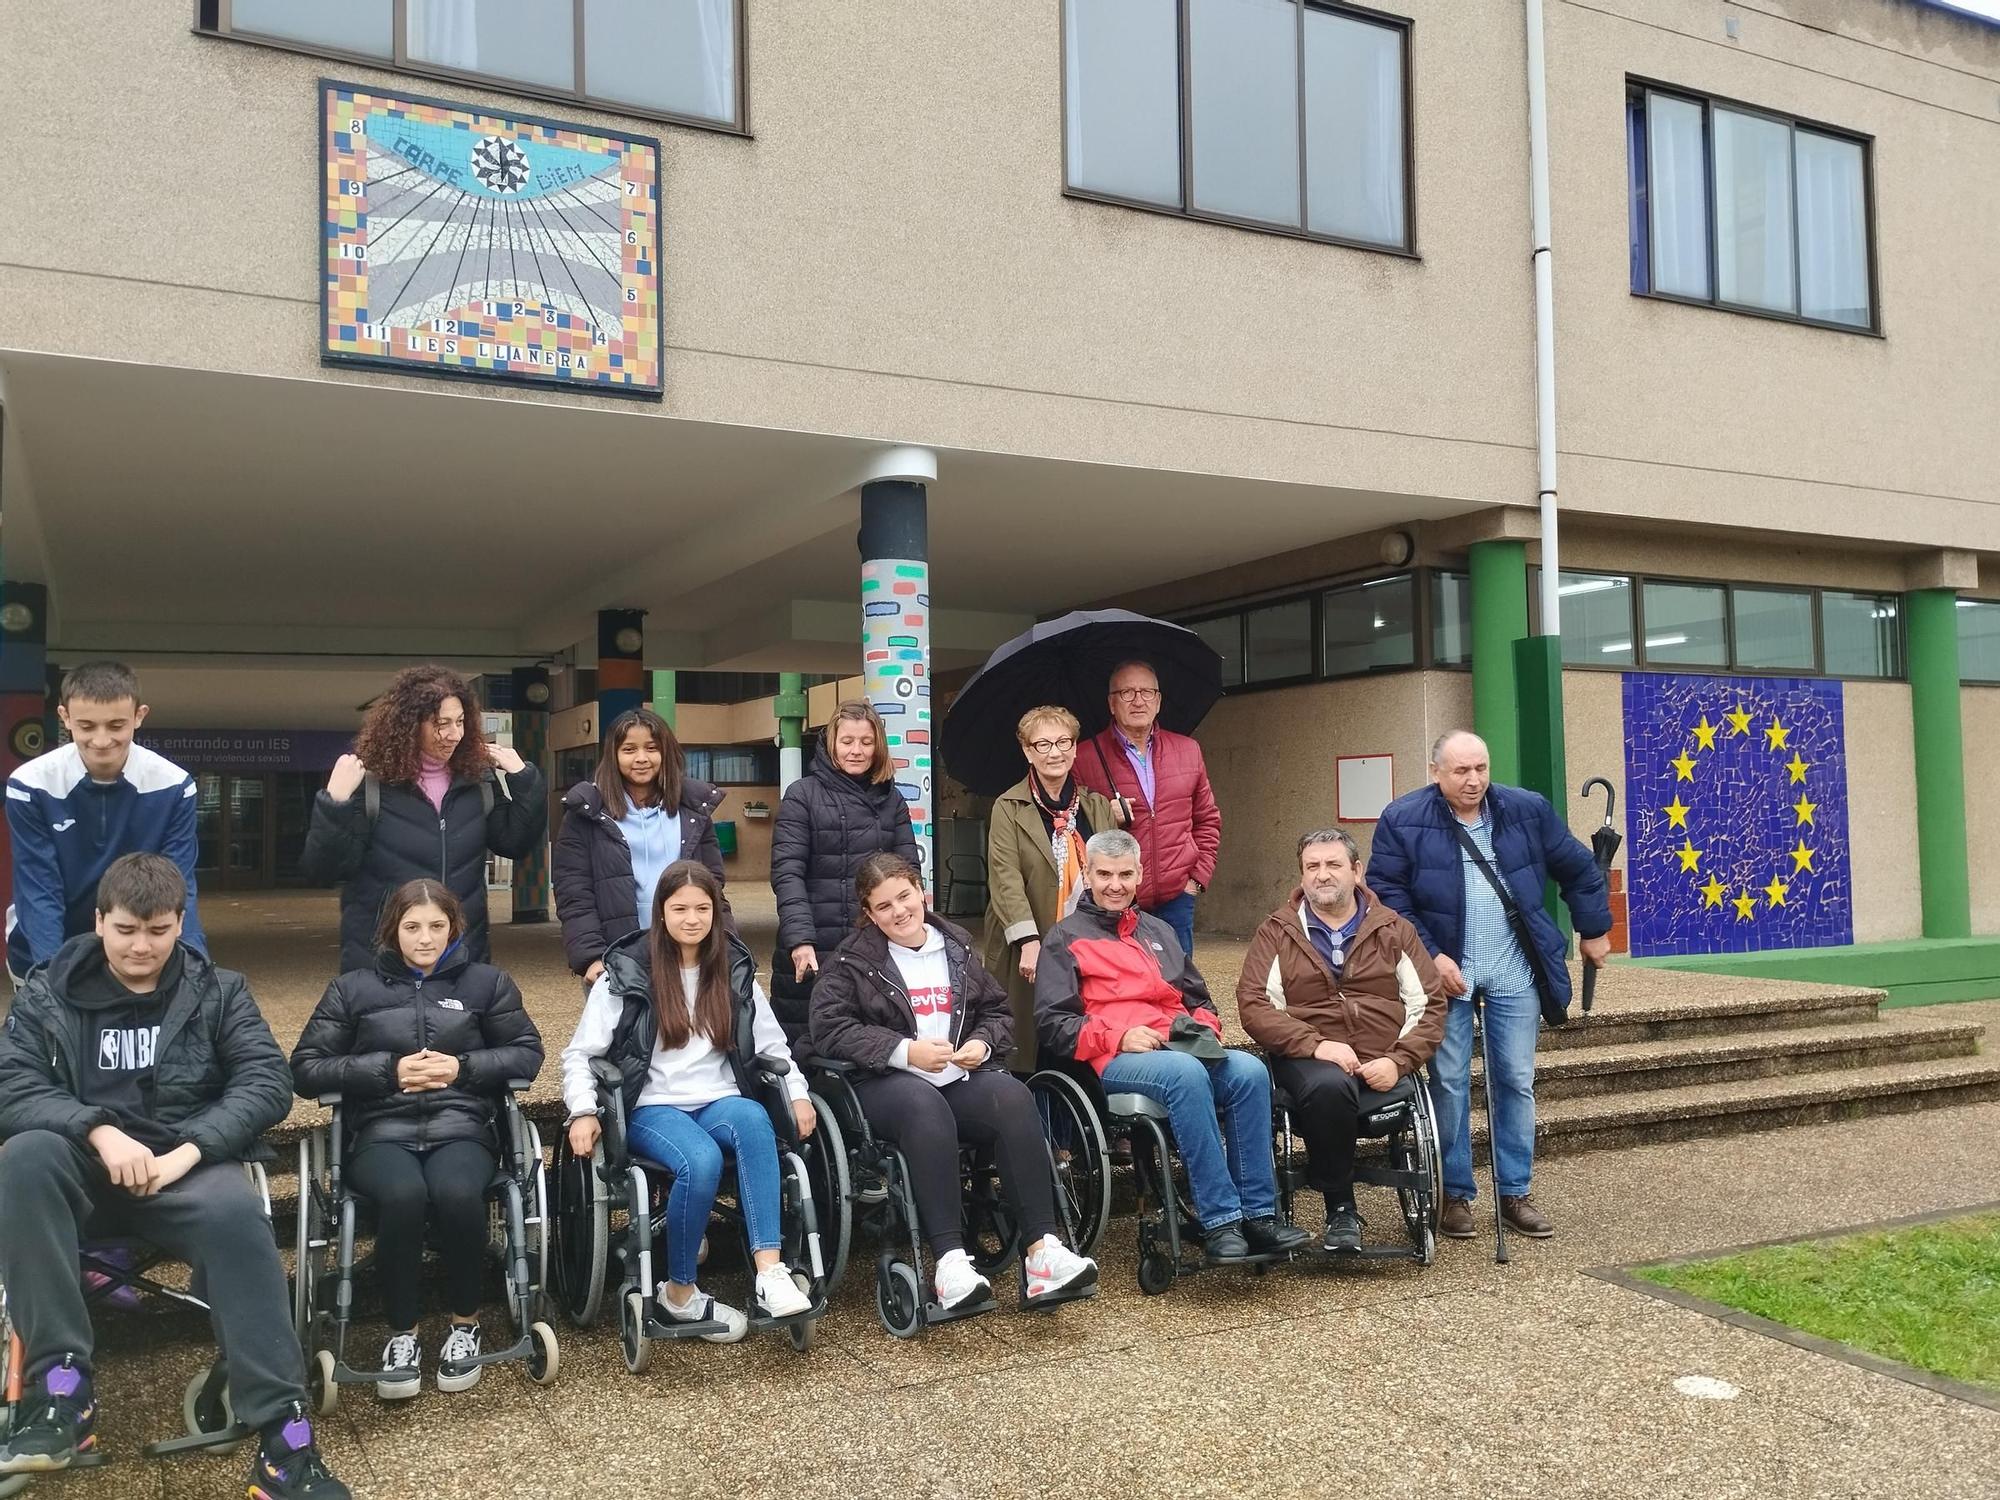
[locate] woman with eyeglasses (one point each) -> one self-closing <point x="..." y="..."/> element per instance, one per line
<point x="1034" y="861"/>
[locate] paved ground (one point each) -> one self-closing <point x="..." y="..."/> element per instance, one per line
<point x="1466" y="1379"/>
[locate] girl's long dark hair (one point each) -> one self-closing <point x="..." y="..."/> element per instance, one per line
<point x="611" y="784"/>
<point x="410" y="896"/>
<point x="877" y="869"/>
<point x="711" y="1011"/>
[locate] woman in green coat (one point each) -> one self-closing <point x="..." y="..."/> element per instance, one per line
<point x="1034" y="861"/>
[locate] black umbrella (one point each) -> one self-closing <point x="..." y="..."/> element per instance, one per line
<point x="1069" y="662"/>
<point x="1603" y="845"/>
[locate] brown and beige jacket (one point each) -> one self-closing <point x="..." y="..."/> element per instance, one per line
<point x="1388" y="1001"/>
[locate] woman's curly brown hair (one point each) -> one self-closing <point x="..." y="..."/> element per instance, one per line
<point x="391" y="740"/>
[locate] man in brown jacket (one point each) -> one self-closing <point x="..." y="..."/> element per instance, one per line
<point x="1339" y="992"/>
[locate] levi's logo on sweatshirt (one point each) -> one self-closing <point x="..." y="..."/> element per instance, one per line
<point x="931" y="1000"/>
<point x="126" y="1049"/>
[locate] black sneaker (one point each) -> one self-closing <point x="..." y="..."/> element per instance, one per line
<point x="53" y="1423"/>
<point x="1343" y="1229"/>
<point x="1225" y="1243"/>
<point x="288" y="1465"/>
<point x="1267" y="1236"/>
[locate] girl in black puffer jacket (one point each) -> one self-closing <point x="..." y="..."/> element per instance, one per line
<point x="844" y="809"/>
<point x="421" y="1048"/>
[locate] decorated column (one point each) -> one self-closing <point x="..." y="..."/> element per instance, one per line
<point x="896" y="624"/>
<point x="621" y="674"/>
<point x="790" y="708"/>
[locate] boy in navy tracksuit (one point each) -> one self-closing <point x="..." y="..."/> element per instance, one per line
<point x="73" y="811"/>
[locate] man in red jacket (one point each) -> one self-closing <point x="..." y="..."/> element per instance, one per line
<point x="1164" y="781"/>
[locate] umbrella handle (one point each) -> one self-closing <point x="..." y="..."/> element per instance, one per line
<point x="1610" y="795"/>
<point x="1589" y="985"/>
<point x="1124" y="802"/>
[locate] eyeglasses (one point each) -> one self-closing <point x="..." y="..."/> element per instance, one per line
<point x="1052" y="747"/>
<point x="1136" y="695"/>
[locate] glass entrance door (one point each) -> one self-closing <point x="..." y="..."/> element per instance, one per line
<point x="233" y="827"/>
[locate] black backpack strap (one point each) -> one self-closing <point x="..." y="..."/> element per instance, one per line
<point x="1516" y="919"/>
<point x="371" y="797"/>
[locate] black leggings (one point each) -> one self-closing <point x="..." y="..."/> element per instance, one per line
<point x="927" y="1123"/>
<point x="445" y="1186"/>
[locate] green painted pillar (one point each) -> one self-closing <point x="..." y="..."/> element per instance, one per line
<point x="790" y="708"/>
<point x="1499" y="575"/>
<point x="663" y="697"/>
<point x="1931" y="620"/>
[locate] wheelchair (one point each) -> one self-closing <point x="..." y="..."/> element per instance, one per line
<point x="124" y="1265"/>
<point x="610" y="1211"/>
<point x="1409" y="1161"/>
<point x="330" y="1220"/>
<point x="866" y="1183"/>
<point x="1122" y="1129"/>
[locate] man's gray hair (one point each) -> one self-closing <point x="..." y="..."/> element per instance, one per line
<point x="1113" y="843"/>
<point x="1133" y="661"/>
<point x="1438" y="744"/>
<point x="1338" y="836"/>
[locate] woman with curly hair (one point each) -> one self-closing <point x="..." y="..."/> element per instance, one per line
<point x="422" y="796"/>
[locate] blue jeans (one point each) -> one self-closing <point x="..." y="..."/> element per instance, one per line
<point x="1227" y="1182"/>
<point x="1513" y="1023"/>
<point x="1179" y="915"/>
<point x="691" y="1146"/>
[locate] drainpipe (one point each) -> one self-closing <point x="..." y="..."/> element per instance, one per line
<point x="1545" y="317"/>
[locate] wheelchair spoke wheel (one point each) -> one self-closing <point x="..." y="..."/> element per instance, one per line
<point x="824" y="1153"/>
<point x="581" y="1231"/>
<point x="991" y="1234"/>
<point x="899" y="1300"/>
<point x="307" y="1234"/>
<point x="1080" y="1155"/>
<point x="632" y="1340"/>
<point x="536" y="1203"/>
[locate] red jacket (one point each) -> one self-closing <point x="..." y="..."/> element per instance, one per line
<point x="1102" y="973"/>
<point x="1180" y="832"/>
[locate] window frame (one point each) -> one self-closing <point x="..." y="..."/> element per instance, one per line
<point x="1971" y="602"/>
<point x="1640" y="86"/>
<point x="214" y="19"/>
<point x="1239" y="610"/>
<point x="1184" y="83"/>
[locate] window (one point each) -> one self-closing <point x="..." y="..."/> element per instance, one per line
<point x="1861" y="634"/>
<point x="1748" y="210"/>
<point x="675" y="59"/>
<point x="1225" y="634"/>
<point x="1686" y="624"/>
<point x="1370" y="626"/>
<point x="1451" y="620"/>
<point x="1278" y="641"/>
<point x="1290" y="115"/>
<point x="1979" y="640"/>
<point x="1596" y="619"/>
<point x="1773" y="628"/>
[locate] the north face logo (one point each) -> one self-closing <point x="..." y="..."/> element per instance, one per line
<point x="449" y="1004"/>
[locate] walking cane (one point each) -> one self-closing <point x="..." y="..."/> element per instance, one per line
<point x="1478" y="998"/>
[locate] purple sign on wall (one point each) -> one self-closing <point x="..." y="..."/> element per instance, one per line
<point x="249" y="749"/>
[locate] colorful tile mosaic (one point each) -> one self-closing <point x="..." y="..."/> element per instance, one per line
<point x="895" y="676"/>
<point x="501" y="246"/>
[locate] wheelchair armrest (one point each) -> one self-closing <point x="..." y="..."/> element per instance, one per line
<point x="840" y="1067"/>
<point x="773" y="1066"/>
<point x="519" y="1085"/>
<point x="329" y="1100"/>
<point x="605" y="1071"/>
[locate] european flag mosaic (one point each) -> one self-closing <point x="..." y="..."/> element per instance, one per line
<point x="1735" y="814"/>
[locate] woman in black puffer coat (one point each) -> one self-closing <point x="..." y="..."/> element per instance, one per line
<point x="845" y="808"/>
<point x="423" y="795"/>
<point x="421" y="1048"/>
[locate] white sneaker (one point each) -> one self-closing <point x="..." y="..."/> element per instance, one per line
<point x="958" y="1282"/>
<point x="1054" y="1267"/>
<point x="779" y="1296"/>
<point x="401" y="1355"/>
<point x="462" y="1343"/>
<point x="701" y="1307"/>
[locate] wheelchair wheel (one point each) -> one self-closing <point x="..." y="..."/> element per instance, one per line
<point x="205" y="1406"/>
<point x="1157" y="1269"/>
<point x="825" y="1155"/>
<point x="581" y="1231"/>
<point x="899" y="1300"/>
<point x="309" y="1236"/>
<point x="536" y="1205"/>
<point x="1081" y="1155"/>
<point x="320" y="1384"/>
<point x="546" y="1360"/>
<point x="632" y="1340"/>
<point x="803" y="1335"/>
<point x="991" y="1234"/>
<point x="1418" y="1152"/>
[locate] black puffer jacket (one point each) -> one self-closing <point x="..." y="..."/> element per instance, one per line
<point x="410" y="840"/>
<point x="828" y="823"/>
<point x="371" y="1019"/>
<point x="596" y="895"/>
<point x="628" y="966"/>
<point x="219" y="1078"/>
<point x="861" y="1012"/>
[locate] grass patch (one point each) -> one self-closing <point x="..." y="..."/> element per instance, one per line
<point x="1928" y="1296"/>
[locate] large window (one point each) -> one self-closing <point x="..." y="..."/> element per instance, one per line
<point x="1371" y="626"/>
<point x="1451" y="619"/>
<point x="1596" y="619"/>
<point x="1347" y="630"/>
<point x="670" y="59"/>
<point x="1979" y="640"/>
<point x="1862" y="634"/>
<point x="1748" y="210"/>
<point x="1290" y="115"/>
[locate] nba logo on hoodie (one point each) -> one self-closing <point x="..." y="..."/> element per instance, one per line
<point x="126" y="1049"/>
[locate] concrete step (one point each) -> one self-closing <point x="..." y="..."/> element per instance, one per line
<point x="1648" y="1117"/>
<point x="1720" y="1007"/>
<point x="1683" y="1061"/>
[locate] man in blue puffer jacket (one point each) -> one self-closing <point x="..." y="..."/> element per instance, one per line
<point x="1422" y="868"/>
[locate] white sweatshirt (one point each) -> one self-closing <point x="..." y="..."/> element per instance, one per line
<point x="926" y="973"/>
<point x="688" y="1077"/>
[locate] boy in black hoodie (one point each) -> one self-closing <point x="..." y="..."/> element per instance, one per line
<point x="135" y="1079"/>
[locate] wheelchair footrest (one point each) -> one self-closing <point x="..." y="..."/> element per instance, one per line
<point x="521" y="1348"/>
<point x="1364" y="1252"/>
<point x="346" y="1374"/>
<point x="1049" y="1301"/>
<point x="659" y="1327"/>
<point x="192" y="1442"/>
<point x="933" y="1313"/>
